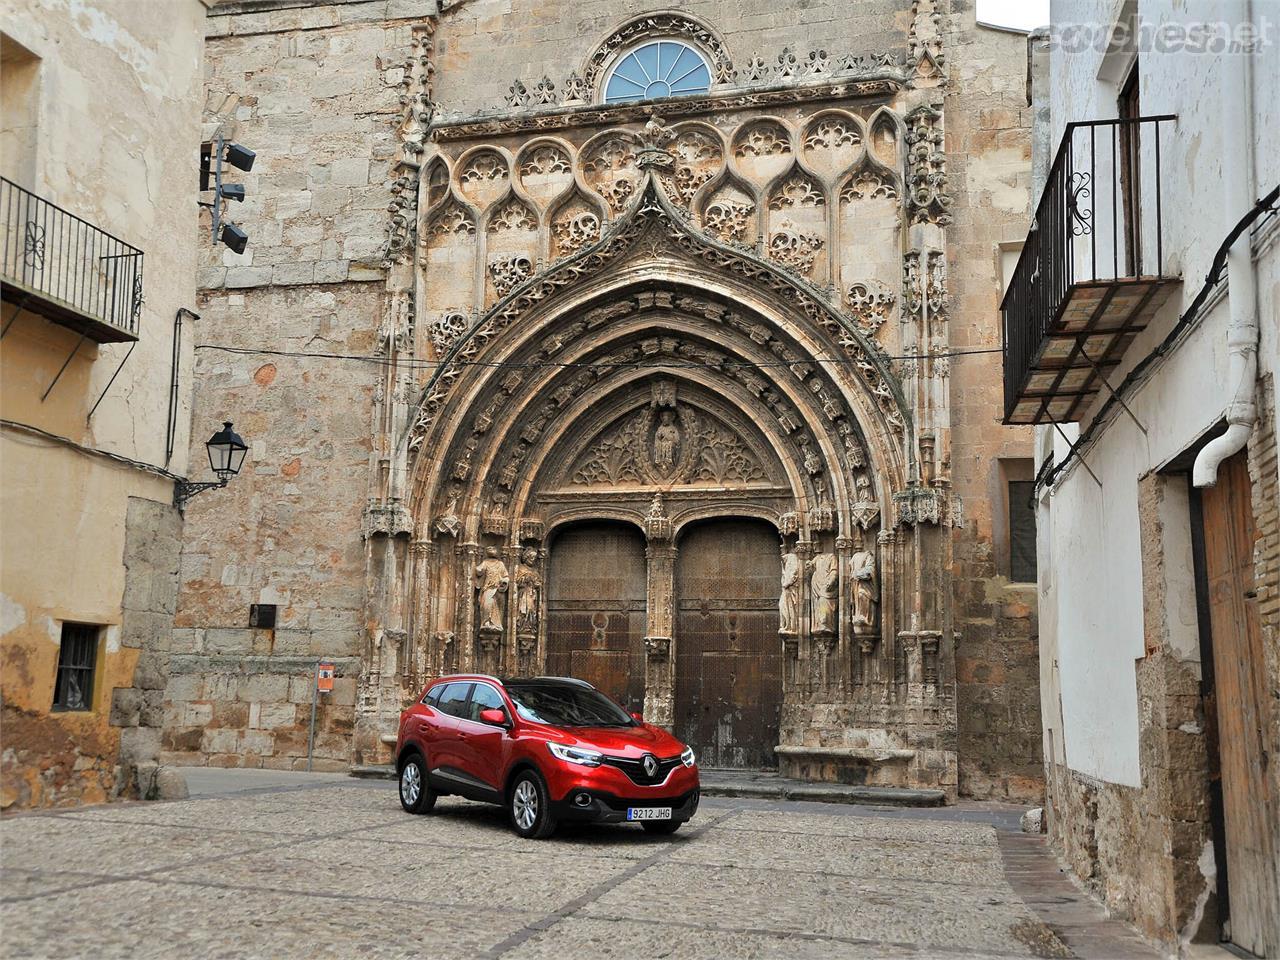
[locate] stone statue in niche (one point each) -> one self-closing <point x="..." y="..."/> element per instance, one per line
<point x="789" y="601"/>
<point x="666" y="439"/>
<point x="492" y="579"/>
<point x="862" y="576"/>
<point x="528" y="594"/>
<point x="825" y="588"/>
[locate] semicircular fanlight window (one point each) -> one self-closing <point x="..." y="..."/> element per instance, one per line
<point x="663" y="68"/>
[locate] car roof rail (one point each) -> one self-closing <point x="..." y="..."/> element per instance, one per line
<point x="581" y="683"/>
<point x="464" y="677"/>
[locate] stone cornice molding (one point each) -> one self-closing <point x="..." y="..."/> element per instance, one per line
<point x="881" y="84"/>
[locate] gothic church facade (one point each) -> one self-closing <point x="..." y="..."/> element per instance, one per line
<point x="659" y="348"/>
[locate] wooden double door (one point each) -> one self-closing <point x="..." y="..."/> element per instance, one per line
<point x="728" y="662"/>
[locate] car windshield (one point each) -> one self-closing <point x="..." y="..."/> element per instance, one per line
<point x="566" y="705"/>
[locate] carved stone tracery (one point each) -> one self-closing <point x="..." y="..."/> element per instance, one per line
<point x="659" y="25"/>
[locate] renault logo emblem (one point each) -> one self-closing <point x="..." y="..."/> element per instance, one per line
<point x="650" y="765"/>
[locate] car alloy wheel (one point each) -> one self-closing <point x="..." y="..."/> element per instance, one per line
<point x="525" y="805"/>
<point x="530" y="807"/>
<point x="411" y="783"/>
<point x="416" y="795"/>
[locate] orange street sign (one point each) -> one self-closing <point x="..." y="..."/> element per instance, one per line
<point x="324" y="677"/>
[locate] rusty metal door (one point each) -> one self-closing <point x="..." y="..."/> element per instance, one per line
<point x="728" y="656"/>
<point x="1239" y="687"/>
<point x="596" y="609"/>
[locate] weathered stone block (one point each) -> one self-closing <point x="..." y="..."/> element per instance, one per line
<point x="293" y="273"/>
<point x="218" y="741"/>
<point x="228" y="640"/>
<point x="170" y="784"/>
<point x="238" y="278"/>
<point x="139" y="745"/>
<point x="126" y="707"/>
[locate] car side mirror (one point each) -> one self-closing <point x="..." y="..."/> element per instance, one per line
<point x="637" y="717"/>
<point x="494" y="716"/>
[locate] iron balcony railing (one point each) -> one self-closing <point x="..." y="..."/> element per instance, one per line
<point x="1099" y="223"/>
<point x="57" y="264"/>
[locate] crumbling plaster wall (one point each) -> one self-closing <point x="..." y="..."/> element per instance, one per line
<point x="83" y="534"/>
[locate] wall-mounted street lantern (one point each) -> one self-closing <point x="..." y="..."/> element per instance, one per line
<point x="226" y="457"/>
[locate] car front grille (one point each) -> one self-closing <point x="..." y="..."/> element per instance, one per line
<point x="634" y="769"/>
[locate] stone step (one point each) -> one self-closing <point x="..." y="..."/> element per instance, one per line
<point x="764" y="786"/>
<point x="768" y="786"/>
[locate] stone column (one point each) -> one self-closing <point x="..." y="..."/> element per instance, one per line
<point x="659" y="640"/>
<point x="508" y="652"/>
<point x="418" y="666"/>
<point x="469" y="555"/>
<point x="846" y="644"/>
<point x="805" y="550"/>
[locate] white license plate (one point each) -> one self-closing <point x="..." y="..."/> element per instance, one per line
<point x="648" y="813"/>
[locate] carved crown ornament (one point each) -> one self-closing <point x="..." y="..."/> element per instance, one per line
<point x="651" y="214"/>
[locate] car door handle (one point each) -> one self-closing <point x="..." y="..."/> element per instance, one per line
<point x="461" y="735"/>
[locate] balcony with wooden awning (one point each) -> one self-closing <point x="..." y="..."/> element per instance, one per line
<point x="1092" y="272"/>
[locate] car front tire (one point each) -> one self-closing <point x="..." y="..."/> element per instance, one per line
<point x="416" y="795"/>
<point x="661" y="826"/>
<point x="529" y="806"/>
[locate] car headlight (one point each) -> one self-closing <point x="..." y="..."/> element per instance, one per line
<point x="585" y="758"/>
<point x="687" y="758"/>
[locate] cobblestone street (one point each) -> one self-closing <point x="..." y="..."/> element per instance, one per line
<point x="284" y="865"/>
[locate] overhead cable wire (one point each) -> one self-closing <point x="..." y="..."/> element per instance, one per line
<point x="511" y="364"/>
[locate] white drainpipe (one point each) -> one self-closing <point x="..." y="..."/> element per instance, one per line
<point x="1242" y="334"/>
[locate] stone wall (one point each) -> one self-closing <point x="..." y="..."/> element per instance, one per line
<point x="286" y="531"/>
<point x="997" y="666"/>
<point x="152" y="552"/>
<point x="313" y="89"/>
<point x="491" y="44"/>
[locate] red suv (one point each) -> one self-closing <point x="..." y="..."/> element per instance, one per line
<point x="548" y="749"/>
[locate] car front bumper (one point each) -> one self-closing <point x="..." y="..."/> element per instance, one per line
<point x="599" y="806"/>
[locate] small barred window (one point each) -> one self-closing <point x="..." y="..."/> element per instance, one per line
<point x="77" y="659"/>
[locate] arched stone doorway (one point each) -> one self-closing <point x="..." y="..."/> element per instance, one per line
<point x="729" y="656"/>
<point x="661" y="378"/>
<point x="596" y="608"/>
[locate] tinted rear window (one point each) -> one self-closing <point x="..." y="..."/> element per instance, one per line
<point x="433" y="695"/>
<point x="566" y="705"/>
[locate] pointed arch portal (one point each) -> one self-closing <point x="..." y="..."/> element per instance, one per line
<point x="669" y="466"/>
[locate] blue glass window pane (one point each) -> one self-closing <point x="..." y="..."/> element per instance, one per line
<point x="658" y="69"/>
<point x="647" y="58"/>
<point x="685" y="62"/>
<point x="697" y="81"/>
